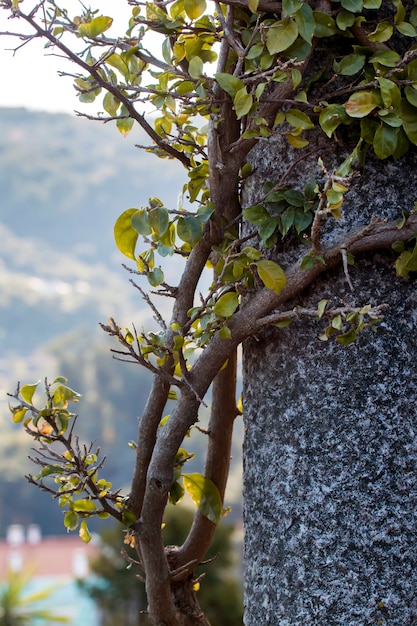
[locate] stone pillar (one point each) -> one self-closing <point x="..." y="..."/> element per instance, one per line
<point x="330" y="451"/>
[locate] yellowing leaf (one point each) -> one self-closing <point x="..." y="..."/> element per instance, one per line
<point x="125" y="125"/>
<point x="205" y="495"/>
<point x="158" y="220"/>
<point x="99" y="25"/>
<point x="27" y="392"/>
<point x="361" y="103"/>
<point x="84" y="506"/>
<point x="96" y="27"/>
<point x="18" y="415"/>
<point x="272" y="275"/>
<point x="71" y="520"/>
<point x="227" y="304"/>
<point x="194" y="8"/>
<point x="125" y="235"/>
<point x="84" y="532"/>
<point x="63" y="394"/>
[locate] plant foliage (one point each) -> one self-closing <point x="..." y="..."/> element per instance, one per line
<point x="227" y="75"/>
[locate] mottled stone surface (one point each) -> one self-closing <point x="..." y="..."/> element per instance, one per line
<point x="330" y="446"/>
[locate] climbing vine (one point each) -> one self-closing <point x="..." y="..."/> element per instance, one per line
<point x="227" y="76"/>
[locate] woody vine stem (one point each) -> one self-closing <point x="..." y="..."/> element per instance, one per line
<point x="264" y="86"/>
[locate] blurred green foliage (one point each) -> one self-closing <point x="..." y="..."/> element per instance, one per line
<point x="121" y="597"/>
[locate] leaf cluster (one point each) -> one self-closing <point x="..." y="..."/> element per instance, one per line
<point x="264" y="85"/>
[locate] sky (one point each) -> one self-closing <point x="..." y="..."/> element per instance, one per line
<point x="29" y="78"/>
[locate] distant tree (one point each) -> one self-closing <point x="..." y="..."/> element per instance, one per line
<point x="20" y="608"/>
<point x="305" y="95"/>
<point x="121" y="597"/>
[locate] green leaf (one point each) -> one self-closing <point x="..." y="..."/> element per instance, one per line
<point x="140" y="222"/>
<point x="372" y="4"/>
<point x="351" y="64"/>
<point x="382" y="32"/>
<point x="252" y="253"/>
<point x="242" y="103"/>
<point x="390" y="93"/>
<point x="205" y="496"/>
<point x="345" y="167"/>
<point x="128" y="517"/>
<point x="355" y="6"/>
<point x="84" y="533"/>
<point x="387" y="58"/>
<point x="272" y="275"/>
<point x="290" y="7"/>
<point x="60" y="379"/>
<point x="256" y="214"/>
<point x="225" y="333"/>
<point x="176" y="493"/>
<point x="411" y="95"/>
<point x="407" y="29"/>
<point x="196" y="67"/>
<point x="71" y="520"/>
<point x="111" y="104"/>
<point x="125" y="235"/>
<point x="50" y="469"/>
<point x="194" y="8"/>
<point x="337" y="322"/>
<point x="27" y="392"/>
<point x="347" y="338"/>
<point x="227" y="304"/>
<point x="385" y="141"/>
<point x="155" y="277"/>
<point x="281" y="35"/>
<point x="189" y="229"/>
<point x="302" y="221"/>
<point x="298" y="119"/>
<point x="267" y="228"/>
<point x="321" y="308"/>
<point x="287" y="220"/>
<point x="361" y="103"/>
<point x="253" y="5"/>
<point x="325" y="25"/>
<point x="345" y="19"/>
<point x="304" y="18"/>
<point x="409" y="119"/>
<point x="230" y="84"/>
<point x="331" y="117"/>
<point x="115" y="60"/>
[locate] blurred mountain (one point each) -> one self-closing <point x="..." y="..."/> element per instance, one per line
<point x="63" y="183"/>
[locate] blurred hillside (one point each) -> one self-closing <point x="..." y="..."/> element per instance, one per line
<point x="63" y="183"/>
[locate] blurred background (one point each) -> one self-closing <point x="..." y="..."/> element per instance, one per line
<point x="63" y="183"/>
